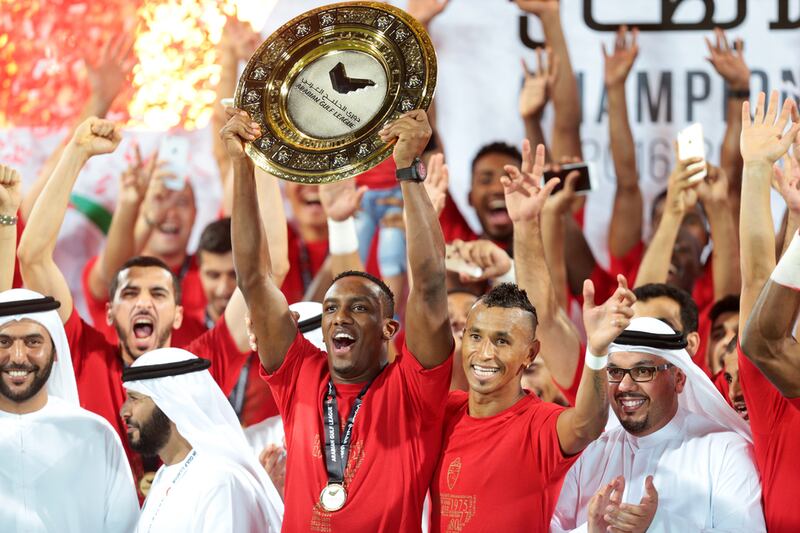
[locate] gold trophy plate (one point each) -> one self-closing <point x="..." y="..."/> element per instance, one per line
<point x="327" y="81"/>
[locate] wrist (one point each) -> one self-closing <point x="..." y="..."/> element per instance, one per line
<point x="342" y="236"/>
<point x="77" y="151"/>
<point x="595" y="361"/>
<point x="8" y="219"/>
<point x="403" y="162"/>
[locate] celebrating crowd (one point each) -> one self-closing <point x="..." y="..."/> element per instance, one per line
<point x="353" y="357"/>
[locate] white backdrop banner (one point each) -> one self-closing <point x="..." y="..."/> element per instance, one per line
<point x="479" y="45"/>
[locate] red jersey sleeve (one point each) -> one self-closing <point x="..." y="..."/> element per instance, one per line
<point x="552" y="462"/>
<point x="86" y="343"/>
<point x="428" y="386"/>
<point x="218" y="346"/>
<point x="284" y="380"/>
<point x="765" y="404"/>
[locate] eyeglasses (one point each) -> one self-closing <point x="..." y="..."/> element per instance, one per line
<point x="639" y="374"/>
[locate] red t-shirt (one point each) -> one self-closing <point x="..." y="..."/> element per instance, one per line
<point x="193" y="300"/>
<point x="501" y="473"/>
<point x="305" y="260"/>
<point x="775" y="422"/>
<point x="571" y="394"/>
<point x="258" y="401"/>
<point x="396" y="441"/>
<point x="98" y="371"/>
<point x="453" y="224"/>
<point x="379" y="177"/>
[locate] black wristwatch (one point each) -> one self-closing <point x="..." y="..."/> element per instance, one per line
<point x="416" y="172"/>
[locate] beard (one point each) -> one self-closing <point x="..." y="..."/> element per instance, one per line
<point x="40" y="377"/>
<point x="635" y="426"/>
<point x="123" y="336"/>
<point x="153" y="433"/>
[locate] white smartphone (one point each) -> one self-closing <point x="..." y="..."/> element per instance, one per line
<point x="174" y="151"/>
<point x="692" y="144"/>
<point x="455" y="263"/>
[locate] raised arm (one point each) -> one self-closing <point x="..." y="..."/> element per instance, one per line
<point x="428" y="333"/>
<point x="556" y="211"/>
<point x="681" y="196"/>
<point x="107" y="79"/>
<point x="341" y="200"/>
<point x="10" y="196"/>
<point x="39" y="271"/>
<point x="535" y="92"/>
<point x="525" y="199"/>
<point x="625" y="230"/>
<point x="768" y="308"/>
<point x="713" y="193"/>
<point x="120" y="244"/>
<point x="762" y="144"/>
<point x="730" y="64"/>
<point x="272" y="322"/>
<point x="580" y="425"/>
<point x="566" y="140"/>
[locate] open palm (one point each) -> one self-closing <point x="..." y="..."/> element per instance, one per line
<point x="525" y="196"/>
<point x="341" y="199"/>
<point x="762" y="138"/>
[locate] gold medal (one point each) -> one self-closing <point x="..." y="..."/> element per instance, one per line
<point x="333" y="497"/>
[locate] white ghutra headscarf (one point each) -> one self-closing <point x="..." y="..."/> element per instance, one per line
<point x="61" y="382"/>
<point x="699" y="395"/>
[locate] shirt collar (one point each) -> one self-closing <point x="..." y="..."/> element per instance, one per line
<point x="673" y="430"/>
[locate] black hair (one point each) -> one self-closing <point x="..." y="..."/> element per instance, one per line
<point x="144" y="261"/>
<point x="684" y="300"/>
<point x="216" y="238"/>
<point x="726" y="304"/>
<point x="509" y="296"/>
<point x="497" y="148"/>
<point x="388" y="295"/>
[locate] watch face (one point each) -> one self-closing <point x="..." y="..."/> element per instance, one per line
<point x="421" y="170"/>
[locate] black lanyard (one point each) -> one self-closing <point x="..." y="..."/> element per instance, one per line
<point x="337" y="448"/>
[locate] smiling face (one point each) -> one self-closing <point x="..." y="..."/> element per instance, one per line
<point x="644" y="408"/>
<point x="26" y="359"/>
<point x="498" y="344"/>
<point x="355" y="329"/>
<point x="735" y="394"/>
<point x="149" y="428"/>
<point x="171" y="237"/>
<point x="144" y="311"/>
<point x="487" y="197"/>
<point x="306" y="206"/>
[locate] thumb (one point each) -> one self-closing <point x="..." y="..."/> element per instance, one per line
<point x="650" y="492"/>
<point x="360" y="193"/>
<point x="588" y="294"/>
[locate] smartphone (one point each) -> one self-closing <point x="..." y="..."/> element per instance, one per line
<point x="174" y="151"/>
<point x="583" y="185"/>
<point x="692" y="144"/>
<point x="455" y="263"/>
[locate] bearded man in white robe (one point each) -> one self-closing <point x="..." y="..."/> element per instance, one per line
<point x="677" y="458"/>
<point x="62" y="468"/>
<point x="210" y="480"/>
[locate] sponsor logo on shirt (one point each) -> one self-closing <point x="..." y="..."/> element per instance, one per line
<point x="458" y="509"/>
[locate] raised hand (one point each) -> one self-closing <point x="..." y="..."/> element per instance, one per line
<point x="108" y="76"/>
<point x="239" y="39"/>
<point x="437" y="182"/>
<point x="729" y="62"/>
<point x="681" y="191"/>
<point x="95" y="136"/>
<point x="525" y="195"/>
<point x="787" y="182"/>
<point x="158" y="198"/>
<point x="484" y="254"/>
<point x="412" y="131"/>
<point x="560" y="202"/>
<point x="763" y="139"/>
<point x="538" y="7"/>
<point x="238" y="131"/>
<point x="426" y="10"/>
<point x="341" y="199"/>
<point x="713" y="190"/>
<point x="10" y="191"/>
<point x="604" y="323"/>
<point x="538" y="84"/>
<point x="633" y="518"/>
<point x="618" y="64"/>
<point x="135" y="180"/>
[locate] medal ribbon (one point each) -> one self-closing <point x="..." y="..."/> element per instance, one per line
<point x="337" y="447"/>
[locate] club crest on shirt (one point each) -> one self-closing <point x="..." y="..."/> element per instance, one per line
<point x="452" y="472"/>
